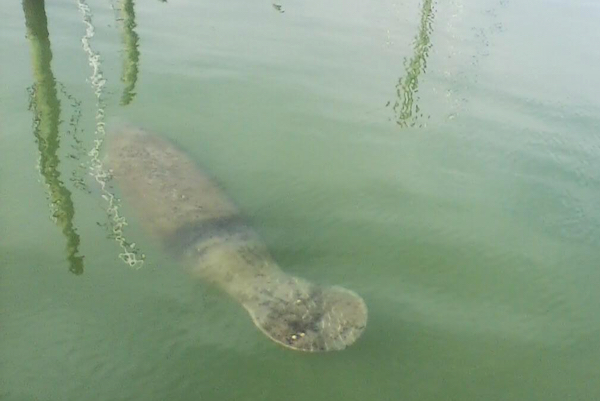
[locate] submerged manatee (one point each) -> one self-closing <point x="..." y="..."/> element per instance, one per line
<point x="190" y="215"/>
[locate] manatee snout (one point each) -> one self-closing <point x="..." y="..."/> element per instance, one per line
<point x="326" y="319"/>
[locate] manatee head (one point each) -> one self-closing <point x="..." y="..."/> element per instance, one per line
<point x="310" y="319"/>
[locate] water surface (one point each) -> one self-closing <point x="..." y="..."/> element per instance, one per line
<point x="439" y="158"/>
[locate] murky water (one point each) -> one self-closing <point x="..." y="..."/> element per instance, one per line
<point x="441" y="159"/>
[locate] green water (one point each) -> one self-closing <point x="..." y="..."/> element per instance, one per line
<point x="442" y="159"/>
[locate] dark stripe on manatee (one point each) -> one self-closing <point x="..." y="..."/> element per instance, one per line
<point x="194" y="233"/>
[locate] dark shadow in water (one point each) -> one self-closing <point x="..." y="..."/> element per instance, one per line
<point x="132" y="52"/>
<point x="406" y="107"/>
<point x="46" y="108"/>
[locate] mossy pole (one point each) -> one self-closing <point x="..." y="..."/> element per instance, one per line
<point x="46" y="107"/>
<point x="406" y="106"/>
<point x="132" y="52"/>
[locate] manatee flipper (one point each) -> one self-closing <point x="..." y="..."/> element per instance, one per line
<point x="194" y="220"/>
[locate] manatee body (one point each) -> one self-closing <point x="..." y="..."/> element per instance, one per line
<point x="192" y="217"/>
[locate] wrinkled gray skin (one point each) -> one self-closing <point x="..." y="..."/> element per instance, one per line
<point x="190" y="215"/>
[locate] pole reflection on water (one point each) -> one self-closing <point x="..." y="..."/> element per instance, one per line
<point x="46" y="108"/>
<point x="132" y="52"/>
<point x="116" y="223"/>
<point x="406" y="106"/>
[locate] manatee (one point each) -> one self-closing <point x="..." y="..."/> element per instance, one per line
<point x="195" y="221"/>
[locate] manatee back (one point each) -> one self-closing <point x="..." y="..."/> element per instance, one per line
<point x="169" y="190"/>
